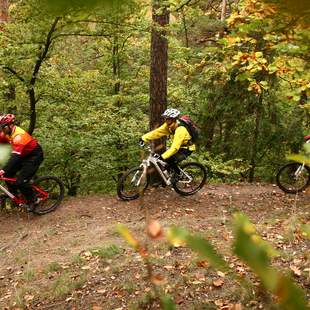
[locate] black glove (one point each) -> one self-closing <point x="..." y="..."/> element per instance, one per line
<point x="141" y="142"/>
<point x="158" y="157"/>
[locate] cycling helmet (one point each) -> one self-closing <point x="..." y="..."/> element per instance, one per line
<point x="7" y="119"/>
<point x="171" y="113"/>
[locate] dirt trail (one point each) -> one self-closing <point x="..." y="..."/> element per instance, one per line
<point x="32" y="242"/>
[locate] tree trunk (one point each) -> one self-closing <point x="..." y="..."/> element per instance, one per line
<point x="31" y="88"/>
<point x="159" y="68"/>
<point x="223" y="12"/>
<point x="185" y="28"/>
<point x="4" y="13"/>
<point x="253" y="159"/>
<point x="116" y="66"/>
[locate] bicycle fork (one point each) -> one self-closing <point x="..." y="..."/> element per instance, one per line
<point x="299" y="171"/>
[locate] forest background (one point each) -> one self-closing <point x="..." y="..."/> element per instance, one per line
<point x="78" y="78"/>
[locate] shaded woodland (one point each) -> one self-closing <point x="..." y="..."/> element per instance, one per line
<point x="88" y="81"/>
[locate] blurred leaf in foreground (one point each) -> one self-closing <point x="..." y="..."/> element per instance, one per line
<point x="256" y="253"/>
<point x="61" y="6"/>
<point x="304" y="157"/>
<point x="198" y="244"/>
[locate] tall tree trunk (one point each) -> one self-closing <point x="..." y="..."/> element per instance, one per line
<point x="223" y="17"/>
<point x="4" y="12"/>
<point x="31" y="88"/>
<point x="223" y="11"/>
<point x="116" y="65"/>
<point x="253" y="159"/>
<point x="159" y="67"/>
<point x="210" y="123"/>
<point x="185" y="28"/>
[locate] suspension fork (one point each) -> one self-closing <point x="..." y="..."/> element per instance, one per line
<point x="299" y="170"/>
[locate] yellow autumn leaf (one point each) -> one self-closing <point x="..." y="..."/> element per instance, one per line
<point x="126" y="234"/>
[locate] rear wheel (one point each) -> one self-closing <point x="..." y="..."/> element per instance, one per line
<point x="192" y="179"/>
<point x="293" y="178"/>
<point x="49" y="193"/>
<point x="132" y="183"/>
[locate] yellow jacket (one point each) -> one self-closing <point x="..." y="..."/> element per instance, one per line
<point x="180" y="139"/>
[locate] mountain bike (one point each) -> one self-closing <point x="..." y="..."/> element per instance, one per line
<point x="188" y="181"/>
<point x="294" y="177"/>
<point x="49" y="192"/>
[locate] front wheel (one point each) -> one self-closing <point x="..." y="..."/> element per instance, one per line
<point x="132" y="183"/>
<point x="49" y="192"/>
<point x="293" y="178"/>
<point x="192" y="178"/>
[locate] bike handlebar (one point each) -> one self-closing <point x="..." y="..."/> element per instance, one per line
<point x="156" y="156"/>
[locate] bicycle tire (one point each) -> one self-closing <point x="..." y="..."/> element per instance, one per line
<point x="128" y="190"/>
<point x="287" y="181"/>
<point x="195" y="170"/>
<point x="55" y="189"/>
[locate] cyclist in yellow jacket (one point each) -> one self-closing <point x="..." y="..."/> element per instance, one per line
<point x="182" y="145"/>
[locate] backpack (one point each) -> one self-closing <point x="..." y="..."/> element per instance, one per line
<point x="190" y="126"/>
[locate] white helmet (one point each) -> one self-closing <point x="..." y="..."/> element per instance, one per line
<point x="171" y="113"/>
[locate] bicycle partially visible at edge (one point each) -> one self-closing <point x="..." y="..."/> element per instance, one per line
<point x="189" y="181"/>
<point x="293" y="178"/>
<point x="48" y="190"/>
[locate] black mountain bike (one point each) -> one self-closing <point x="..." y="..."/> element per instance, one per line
<point x="189" y="181"/>
<point x="294" y="177"/>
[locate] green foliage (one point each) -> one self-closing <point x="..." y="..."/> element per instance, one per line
<point x="246" y="88"/>
<point x="106" y="252"/>
<point x="167" y="303"/>
<point x="248" y="246"/>
<point x="199" y="245"/>
<point x="256" y="252"/>
<point x="219" y="168"/>
<point x="303" y="157"/>
<point x="59" y="6"/>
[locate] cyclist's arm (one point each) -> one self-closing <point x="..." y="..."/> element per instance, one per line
<point x="156" y="133"/>
<point x="17" y="148"/>
<point x="14" y="159"/>
<point x="180" y="135"/>
<point x="3" y="139"/>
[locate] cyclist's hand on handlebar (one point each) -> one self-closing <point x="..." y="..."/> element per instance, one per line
<point x="141" y="143"/>
<point x="2" y="172"/>
<point x="158" y="157"/>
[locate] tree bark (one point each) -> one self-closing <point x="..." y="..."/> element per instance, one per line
<point x="159" y="68"/>
<point x="223" y="11"/>
<point x="253" y="159"/>
<point x="4" y="13"/>
<point x="31" y="88"/>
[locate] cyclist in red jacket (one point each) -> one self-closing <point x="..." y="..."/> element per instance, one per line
<point x="26" y="157"/>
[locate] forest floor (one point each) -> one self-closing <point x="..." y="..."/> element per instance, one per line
<point x="74" y="258"/>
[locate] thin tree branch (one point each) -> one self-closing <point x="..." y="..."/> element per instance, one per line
<point x="15" y="73"/>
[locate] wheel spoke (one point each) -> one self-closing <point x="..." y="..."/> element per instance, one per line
<point x="191" y="180"/>
<point x="293" y="177"/>
<point x="131" y="184"/>
<point x="53" y="193"/>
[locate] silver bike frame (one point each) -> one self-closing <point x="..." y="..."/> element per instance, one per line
<point x="151" y="160"/>
<point x="4" y="190"/>
<point x="301" y="168"/>
<point x="155" y="161"/>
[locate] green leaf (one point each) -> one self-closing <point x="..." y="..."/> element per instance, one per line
<point x="305" y="230"/>
<point x="299" y="158"/>
<point x="256" y="253"/>
<point x="200" y="246"/>
<point x="126" y="234"/>
<point x="167" y="302"/>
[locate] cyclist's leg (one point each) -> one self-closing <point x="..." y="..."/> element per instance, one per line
<point x="174" y="160"/>
<point x="30" y="165"/>
<point x="12" y="187"/>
